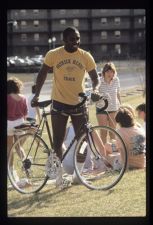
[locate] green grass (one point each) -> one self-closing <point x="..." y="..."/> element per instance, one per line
<point x="127" y="198"/>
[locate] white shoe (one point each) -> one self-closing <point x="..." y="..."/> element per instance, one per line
<point x="51" y="166"/>
<point x="75" y="179"/>
<point x="117" y="165"/>
<point x="61" y="182"/>
<point x="23" y="183"/>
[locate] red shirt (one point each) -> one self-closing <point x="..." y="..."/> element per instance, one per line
<point x="16" y="109"/>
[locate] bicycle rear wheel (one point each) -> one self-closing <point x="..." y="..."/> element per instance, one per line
<point x="104" y="168"/>
<point x="26" y="163"/>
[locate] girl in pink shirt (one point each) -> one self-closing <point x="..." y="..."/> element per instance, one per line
<point x="16" y="108"/>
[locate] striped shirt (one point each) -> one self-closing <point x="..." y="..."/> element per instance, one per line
<point x="111" y="91"/>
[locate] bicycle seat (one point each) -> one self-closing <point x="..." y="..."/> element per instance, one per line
<point x="23" y="125"/>
<point x="44" y="103"/>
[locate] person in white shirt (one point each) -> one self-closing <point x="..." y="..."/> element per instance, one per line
<point x="110" y="86"/>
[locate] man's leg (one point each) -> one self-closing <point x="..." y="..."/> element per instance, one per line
<point x="59" y="128"/>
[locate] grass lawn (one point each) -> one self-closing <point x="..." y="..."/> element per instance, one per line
<point x="127" y="198"/>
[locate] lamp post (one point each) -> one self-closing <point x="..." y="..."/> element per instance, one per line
<point x="10" y="25"/>
<point x="54" y="40"/>
<point x="49" y="43"/>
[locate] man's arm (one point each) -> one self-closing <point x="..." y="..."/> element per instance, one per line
<point x="40" y="81"/>
<point x="41" y="78"/>
<point x="94" y="78"/>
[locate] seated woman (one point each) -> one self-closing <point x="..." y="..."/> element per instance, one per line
<point x="134" y="138"/>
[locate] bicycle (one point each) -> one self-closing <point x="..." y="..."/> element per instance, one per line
<point x="40" y="160"/>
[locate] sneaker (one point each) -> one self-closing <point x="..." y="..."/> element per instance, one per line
<point x="23" y="183"/>
<point x="75" y="179"/>
<point x="61" y="182"/>
<point x="50" y="166"/>
<point x="117" y="165"/>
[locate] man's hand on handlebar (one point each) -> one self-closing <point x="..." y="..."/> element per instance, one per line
<point x="34" y="101"/>
<point x="95" y="96"/>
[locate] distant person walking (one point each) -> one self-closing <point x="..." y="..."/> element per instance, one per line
<point x="33" y="112"/>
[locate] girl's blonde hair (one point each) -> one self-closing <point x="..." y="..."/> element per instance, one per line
<point x="109" y="66"/>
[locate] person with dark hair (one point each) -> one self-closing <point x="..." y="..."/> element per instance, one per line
<point x="16" y="107"/>
<point x="70" y="64"/>
<point x="141" y="110"/>
<point x="16" y="114"/>
<point x="133" y="137"/>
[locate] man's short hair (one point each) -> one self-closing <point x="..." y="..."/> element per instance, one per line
<point x="141" y="107"/>
<point x="69" y="30"/>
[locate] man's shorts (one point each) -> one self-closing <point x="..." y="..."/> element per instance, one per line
<point x="67" y="109"/>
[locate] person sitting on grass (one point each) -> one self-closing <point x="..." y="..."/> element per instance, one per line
<point x="141" y="110"/>
<point x="133" y="137"/>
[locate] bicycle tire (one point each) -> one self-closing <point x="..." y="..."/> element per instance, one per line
<point x="107" y="174"/>
<point x="27" y="158"/>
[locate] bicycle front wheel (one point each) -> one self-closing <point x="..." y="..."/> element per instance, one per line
<point x="97" y="167"/>
<point x="26" y="163"/>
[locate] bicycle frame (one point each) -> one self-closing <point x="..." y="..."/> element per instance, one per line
<point x="85" y="128"/>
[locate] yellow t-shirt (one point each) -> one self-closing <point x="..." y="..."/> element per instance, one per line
<point x="69" y="72"/>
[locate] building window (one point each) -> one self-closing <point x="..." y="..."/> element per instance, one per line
<point x="36" y="37"/>
<point x="36" y="11"/>
<point x="76" y="11"/>
<point x="61" y="36"/>
<point x="23" y="37"/>
<point x="23" y="11"/>
<point x="103" y="34"/>
<point x="23" y="23"/>
<point x="103" y="10"/>
<point x="76" y="22"/>
<point x="36" y="23"/>
<point x="139" y="20"/>
<point x="117" y="10"/>
<point x="117" y="20"/>
<point x="36" y="49"/>
<point x="117" y="34"/>
<point x="144" y="20"/>
<point x="62" y="22"/>
<point x="15" y="13"/>
<point x="103" y="20"/>
<point x="139" y="34"/>
<point x="62" y="11"/>
<point x="118" y="48"/>
<point x="104" y="48"/>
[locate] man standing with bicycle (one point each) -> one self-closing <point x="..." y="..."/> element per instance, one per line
<point x="69" y="64"/>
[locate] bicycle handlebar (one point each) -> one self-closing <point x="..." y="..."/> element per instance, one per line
<point x="82" y="95"/>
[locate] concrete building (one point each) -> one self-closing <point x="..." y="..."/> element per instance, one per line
<point x="106" y="33"/>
